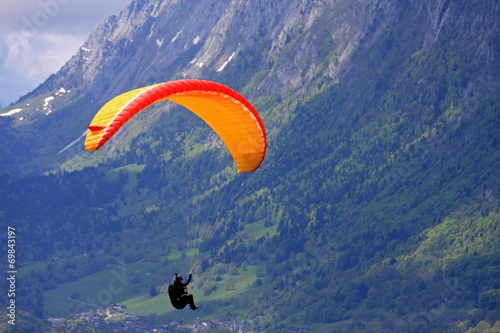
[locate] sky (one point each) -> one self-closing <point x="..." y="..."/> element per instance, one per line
<point x="37" y="37"/>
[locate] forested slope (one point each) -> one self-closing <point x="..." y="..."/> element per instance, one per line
<point x="376" y="208"/>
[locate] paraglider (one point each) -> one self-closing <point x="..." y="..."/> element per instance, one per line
<point x="228" y="113"/>
<point x="179" y="297"/>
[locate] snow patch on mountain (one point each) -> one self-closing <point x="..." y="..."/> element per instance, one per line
<point x="11" y="112"/>
<point x="176" y="35"/>
<point x="62" y="91"/>
<point x="46" y="106"/>
<point x="221" y="68"/>
<point x="151" y="32"/>
<point x="47" y="100"/>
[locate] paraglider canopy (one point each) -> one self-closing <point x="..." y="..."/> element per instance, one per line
<point x="228" y="113"/>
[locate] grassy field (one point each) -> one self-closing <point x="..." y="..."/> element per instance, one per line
<point x="32" y="266"/>
<point x="116" y="285"/>
<point x="96" y="290"/>
<point x="130" y="284"/>
<point x="231" y="286"/>
<point x="258" y="230"/>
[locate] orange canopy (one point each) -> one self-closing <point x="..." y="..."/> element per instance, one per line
<point x="228" y="113"/>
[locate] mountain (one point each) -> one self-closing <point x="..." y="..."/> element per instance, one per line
<point x="376" y="207"/>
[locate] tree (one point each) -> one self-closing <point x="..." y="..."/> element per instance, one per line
<point x="153" y="291"/>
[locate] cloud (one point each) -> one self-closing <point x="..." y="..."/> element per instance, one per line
<point x="38" y="36"/>
<point x="35" y="59"/>
<point x="54" y="15"/>
<point x="29" y="61"/>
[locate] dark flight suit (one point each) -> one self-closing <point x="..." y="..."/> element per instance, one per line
<point x="178" y="294"/>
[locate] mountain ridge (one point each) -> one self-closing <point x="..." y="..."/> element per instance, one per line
<point x="379" y="191"/>
<point x="117" y="57"/>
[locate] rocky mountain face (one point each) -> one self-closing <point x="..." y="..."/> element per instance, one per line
<point x="154" y="41"/>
